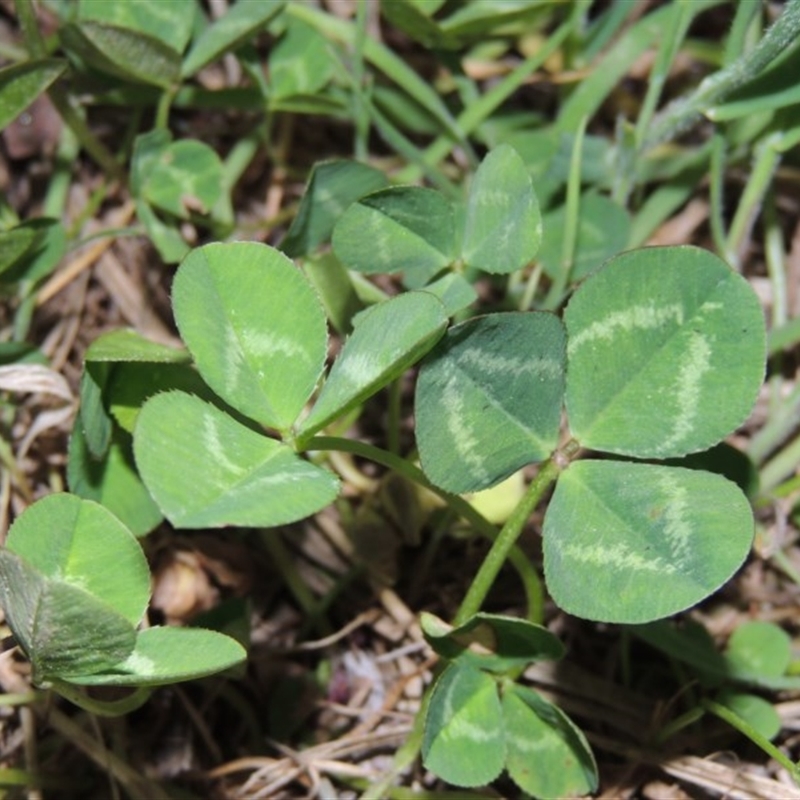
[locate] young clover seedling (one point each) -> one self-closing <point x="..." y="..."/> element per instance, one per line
<point x="74" y="585"/>
<point x="479" y="721"/>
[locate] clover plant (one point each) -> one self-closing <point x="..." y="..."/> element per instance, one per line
<point x="74" y="585"/>
<point x="659" y="354"/>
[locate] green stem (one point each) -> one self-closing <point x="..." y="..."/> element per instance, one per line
<point x="751" y="733"/>
<point x="102" y="708"/>
<point x="506" y="539"/>
<point x="683" y="113"/>
<point x="766" y="162"/>
<point x="679" y="723"/>
<point x="682" y="15"/>
<point x="532" y="584"/>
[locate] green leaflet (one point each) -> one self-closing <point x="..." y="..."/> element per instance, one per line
<point x="72" y="540"/>
<point x="388" y="338"/>
<point x="255" y="327"/>
<point x="629" y="542"/>
<point x="164" y="655"/>
<point x="205" y="469"/>
<point x="488" y="399"/>
<point x="464" y="741"/>
<point x="503" y="226"/>
<point x="665" y="352"/>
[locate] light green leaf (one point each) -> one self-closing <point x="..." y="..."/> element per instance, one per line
<point x="171" y="21"/>
<point x="548" y="756"/>
<point x="388" y="338"/>
<point x="455" y="292"/>
<point x="186" y="178"/>
<point x="400" y="229"/>
<point x="74" y="541"/>
<point x="205" y="469"/>
<point x="300" y="63"/>
<point x="758" y="648"/>
<point x="754" y="710"/>
<point x="113" y="482"/>
<point x="464" y="739"/>
<point x="488" y="399"/>
<point x="630" y="542"/>
<point x="603" y="230"/>
<point x="165" y="655"/>
<point x="666" y="352"/>
<point x="122" y="52"/>
<point x="131" y="383"/>
<point x="60" y="626"/>
<point x="331" y="188"/>
<point x="165" y="238"/>
<point x="127" y="345"/>
<point x="21" y="84"/>
<point x="503" y="227"/>
<point x="254" y="326"/>
<point x="333" y="284"/>
<point x="240" y="23"/>
<point x="96" y="424"/>
<point x="492" y="641"/>
<point x="775" y="87"/>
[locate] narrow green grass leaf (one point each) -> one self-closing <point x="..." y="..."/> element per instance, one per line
<point x="464" y="739"/>
<point x="236" y="26"/>
<point x="60" y="626"/>
<point x="666" y="352"/>
<point x="387" y="339"/>
<point x="488" y="399"/>
<point x="254" y="326"/>
<point x="21" y="84"/>
<point x="332" y="186"/>
<point x="205" y="469"/>
<point x="400" y="229"/>
<point x="503" y="226"/>
<point x="630" y="542"/>
<point x="73" y="540"/>
<point x="122" y="52"/>
<point x="776" y="87"/>
<point x="165" y="655"/>
<point x="548" y="756"/>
